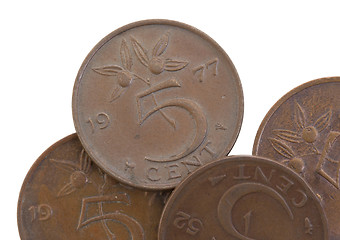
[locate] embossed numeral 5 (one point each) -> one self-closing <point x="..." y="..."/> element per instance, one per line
<point x="193" y="225"/>
<point x="188" y="105"/>
<point x="135" y="229"/>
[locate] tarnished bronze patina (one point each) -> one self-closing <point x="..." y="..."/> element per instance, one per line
<point x="243" y="198"/>
<point x="65" y="196"/>
<point x="302" y="131"/>
<point x="154" y="100"/>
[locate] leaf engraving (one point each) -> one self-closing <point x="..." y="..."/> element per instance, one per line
<point x="66" y="190"/>
<point x="85" y="162"/>
<point x="140" y="52"/>
<point x="282" y="148"/>
<point x="323" y="121"/>
<point x="125" y="55"/>
<point x="117" y="91"/>
<point x="161" y="45"/>
<point x="288" y="135"/>
<point x="174" y="65"/>
<point x="299" y="116"/>
<point x="64" y="165"/>
<point x="111" y="70"/>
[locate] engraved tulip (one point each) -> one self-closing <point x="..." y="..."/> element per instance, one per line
<point x="157" y="63"/>
<point x="78" y="173"/>
<point x="123" y="74"/>
<point x="305" y="133"/>
<point x="293" y="162"/>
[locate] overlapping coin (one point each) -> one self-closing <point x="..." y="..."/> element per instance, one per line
<point x="243" y="198"/>
<point x="302" y="131"/>
<point x="66" y="196"/>
<point x="154" y="100"/>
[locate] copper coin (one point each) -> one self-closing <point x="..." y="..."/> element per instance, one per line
<point x="65" y="196"/>
<point x="302" y="132"/>
<point x="154" y="100"/>
<point x="243" y="198"/>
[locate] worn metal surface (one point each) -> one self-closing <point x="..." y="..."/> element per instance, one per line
<point x="65" y="196"/>
<point x="302" y="132"/>
<point x="154" y="100"/>
<point x="243" y="198"/>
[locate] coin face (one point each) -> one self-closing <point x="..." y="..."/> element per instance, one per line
<point x="65" y="196"/>
<point x="155" y="100"/>
<point x="243" y="198"/>
<point x="302" y="132"/>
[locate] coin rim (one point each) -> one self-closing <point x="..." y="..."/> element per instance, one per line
<point x="110" y="36"/>
<point x="41" y="158"/>
<point x="283" y="99"/>
<point x="237" y="159"/>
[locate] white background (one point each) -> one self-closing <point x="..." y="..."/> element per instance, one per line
<point x="275" y="46"/>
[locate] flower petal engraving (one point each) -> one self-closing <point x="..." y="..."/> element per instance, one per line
<point x="117" y="91"/>
<point x="140" y="52"/>
<point x="282" y="148"/>
<point x="111" y="70"/>
<point x="125" y="55"/>
<point x="161" y="45"/>
<point x="66" y="190"/>
<point x="288" y="135"/>
<point x="85" y="162"/>
<point x="323" y="121"/>
<point x="300" y="119"/>
<point x="65" y="165"/>
<point x="174" y="65"/>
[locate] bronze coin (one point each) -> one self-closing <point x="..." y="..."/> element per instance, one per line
<point x="302" y="132"/>
<point x="243" y="198"/>
<point x="154" y="100"/>
<point x="66" y="196"/>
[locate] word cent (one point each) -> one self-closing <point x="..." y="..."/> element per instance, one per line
<point x="243" y="198"/>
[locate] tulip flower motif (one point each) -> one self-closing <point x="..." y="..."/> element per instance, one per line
<point x="157" y="63"/>
<point x="78" y="173"/>
<point x="305" y="133"/>
<point x="293" y="162"/>
<point x="123" y="74"/>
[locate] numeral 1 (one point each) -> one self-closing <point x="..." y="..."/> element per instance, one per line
<point x="42" y="212"/>
<point x="101" y="121"/>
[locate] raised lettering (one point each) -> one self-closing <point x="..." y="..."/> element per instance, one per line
<point x="303" y="200"/>
<point x="241" y="175"/>
<point x="193" y="225"/>
<point x="42" y="212"/>
<point x="151" y="174"/>
<point x="285" y="186"/>
<point x="173" y="172"/>
<point x="259" y="172"/>
<point x="102" y="120"/>
<point x="200" y="70"/>
<point x="207" y="149"/>
<point x="193" y="163"/>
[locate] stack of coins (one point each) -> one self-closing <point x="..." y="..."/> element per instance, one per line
<point x="157" y="107"/>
